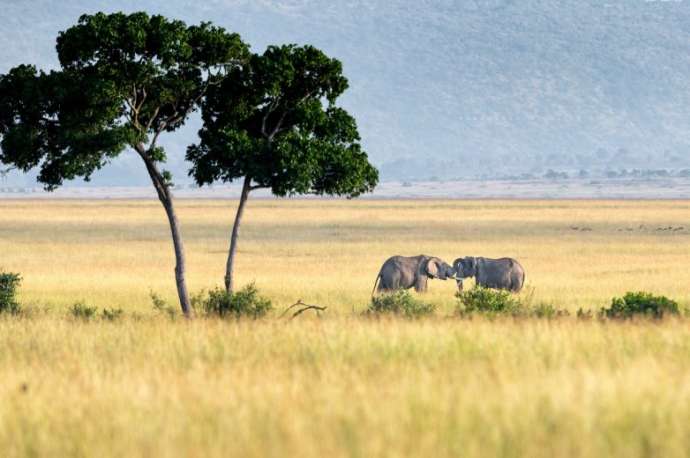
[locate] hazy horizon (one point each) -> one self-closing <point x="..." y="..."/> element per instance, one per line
<point x="451" y="89"/>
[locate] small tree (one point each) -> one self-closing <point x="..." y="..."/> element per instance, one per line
<point x="274" y="124"/>
<point x="124" y="80"/>
<point x="9" y="282"/>
<point x="640" y="304"/>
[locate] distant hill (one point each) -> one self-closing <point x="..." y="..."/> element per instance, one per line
<point x="457" y="88"/>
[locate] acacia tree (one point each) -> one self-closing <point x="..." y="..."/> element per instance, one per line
<point x="124" y="80"/>
<point x="274" y="124"/>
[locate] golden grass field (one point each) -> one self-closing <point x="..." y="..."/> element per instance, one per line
<point x="342" y="385"/>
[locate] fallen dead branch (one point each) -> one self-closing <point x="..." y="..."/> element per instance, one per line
<point x="302" y="307"/>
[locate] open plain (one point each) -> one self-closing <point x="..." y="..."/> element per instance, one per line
<point x="342" y="384"/>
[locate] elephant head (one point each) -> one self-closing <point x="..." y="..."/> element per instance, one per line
<point x="465" y="267"/>
<point x="437" y="268"/>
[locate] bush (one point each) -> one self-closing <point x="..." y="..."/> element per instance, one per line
<point x="548" y="311"/>
<point x="489" y="301"/>
<point x="640" y="304"/>
<point x="111" y="314"/>
<point x="82" y="311"/>
<point x="160" y="306"/>
<point x="400" y="302"/>
<point x="9" y="282"/>
<point x="244" y="303"/>
<point x="494" y="302"/>
<point x="584" y="315"/>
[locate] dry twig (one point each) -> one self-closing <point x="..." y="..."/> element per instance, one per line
<point x="304" y="308"/>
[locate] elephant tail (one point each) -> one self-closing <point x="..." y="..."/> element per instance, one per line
<point x="378" y="277"/>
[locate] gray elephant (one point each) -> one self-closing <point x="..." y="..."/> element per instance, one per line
<point x="402" y="272"/>
<point x="504" y="273"/>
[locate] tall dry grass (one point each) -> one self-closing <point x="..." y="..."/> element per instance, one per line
<point x="342" y="385"/>
<point x="113" y="253"/>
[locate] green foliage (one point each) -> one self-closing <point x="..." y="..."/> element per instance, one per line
<point x="85" y="312"/>
<point x="401" y="303"/>
<point x="123" y="80"/>
<point x="640" y="304"/>
<point x="546" y="310"/>
<point x="162" y="307"/>
<point x="82" y="311"/>
<point x="584" y="315"/>
<point x="245" y="303"/>
<point x="9" y="282"/>
<point x="492" y="302"/>
<point x="275" y="122"/>
<point x="489" y="301"/>
<point x="111" y="314"/>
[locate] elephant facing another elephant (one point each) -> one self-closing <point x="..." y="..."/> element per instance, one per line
<point x="402" y="272"/>
<point x="504" y="273"/>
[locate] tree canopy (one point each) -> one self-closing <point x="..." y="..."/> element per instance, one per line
<point x="275" y="121"/>
<point x="123" y="81"/>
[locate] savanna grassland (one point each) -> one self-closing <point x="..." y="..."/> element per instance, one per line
<point x="342" y="384"/>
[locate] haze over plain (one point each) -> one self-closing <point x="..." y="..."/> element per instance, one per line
<point x="451" y="89"/>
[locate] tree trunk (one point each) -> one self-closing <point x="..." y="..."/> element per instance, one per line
<point x="180" y="262"/>
<point x="165" y="196"/>
<point x="230" y="265"/>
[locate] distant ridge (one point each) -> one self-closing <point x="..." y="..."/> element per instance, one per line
<point x="464" y="88"/>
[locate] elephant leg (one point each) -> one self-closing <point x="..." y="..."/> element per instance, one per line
<point x="394" y="283"/>
<point x="386" y="286"/>
<point x="512" y="284"/>
<point x="421" y="283"/>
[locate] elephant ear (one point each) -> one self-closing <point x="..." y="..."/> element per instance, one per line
<point x="473" y="266"/>
<point x="468" y="264"/>
<point x="457" y="266"/>
<point x="432" y="267"/>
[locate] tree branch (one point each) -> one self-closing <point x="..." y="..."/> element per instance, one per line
<point x="143" y="98"/>
<point x="278" y="126"/>
<point x="5" y="172"/>
<point x="132" y="116"/>
<point x="154" y="140"/>
<point x="304" y="308"/>
<point x="178" y="116"/>
<point x="156" y="177"/>
<point x="270" y="109"/>
<point x="153" y="118"/>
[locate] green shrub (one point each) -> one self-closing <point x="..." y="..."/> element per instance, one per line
<point x="111" y="314"/>
<point x="489" y="301"/>
<point x="401" y="303"/>
<point x="548" y="311"/>
<point x="245" y="303"/>
<point x="82" y="311"/>
<point x="640" y="304"/>
<point x="492" y="302"/>
<point x="9" y="282"/>
<point x="162" y="307"/>
<point x="583" y="314"/>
